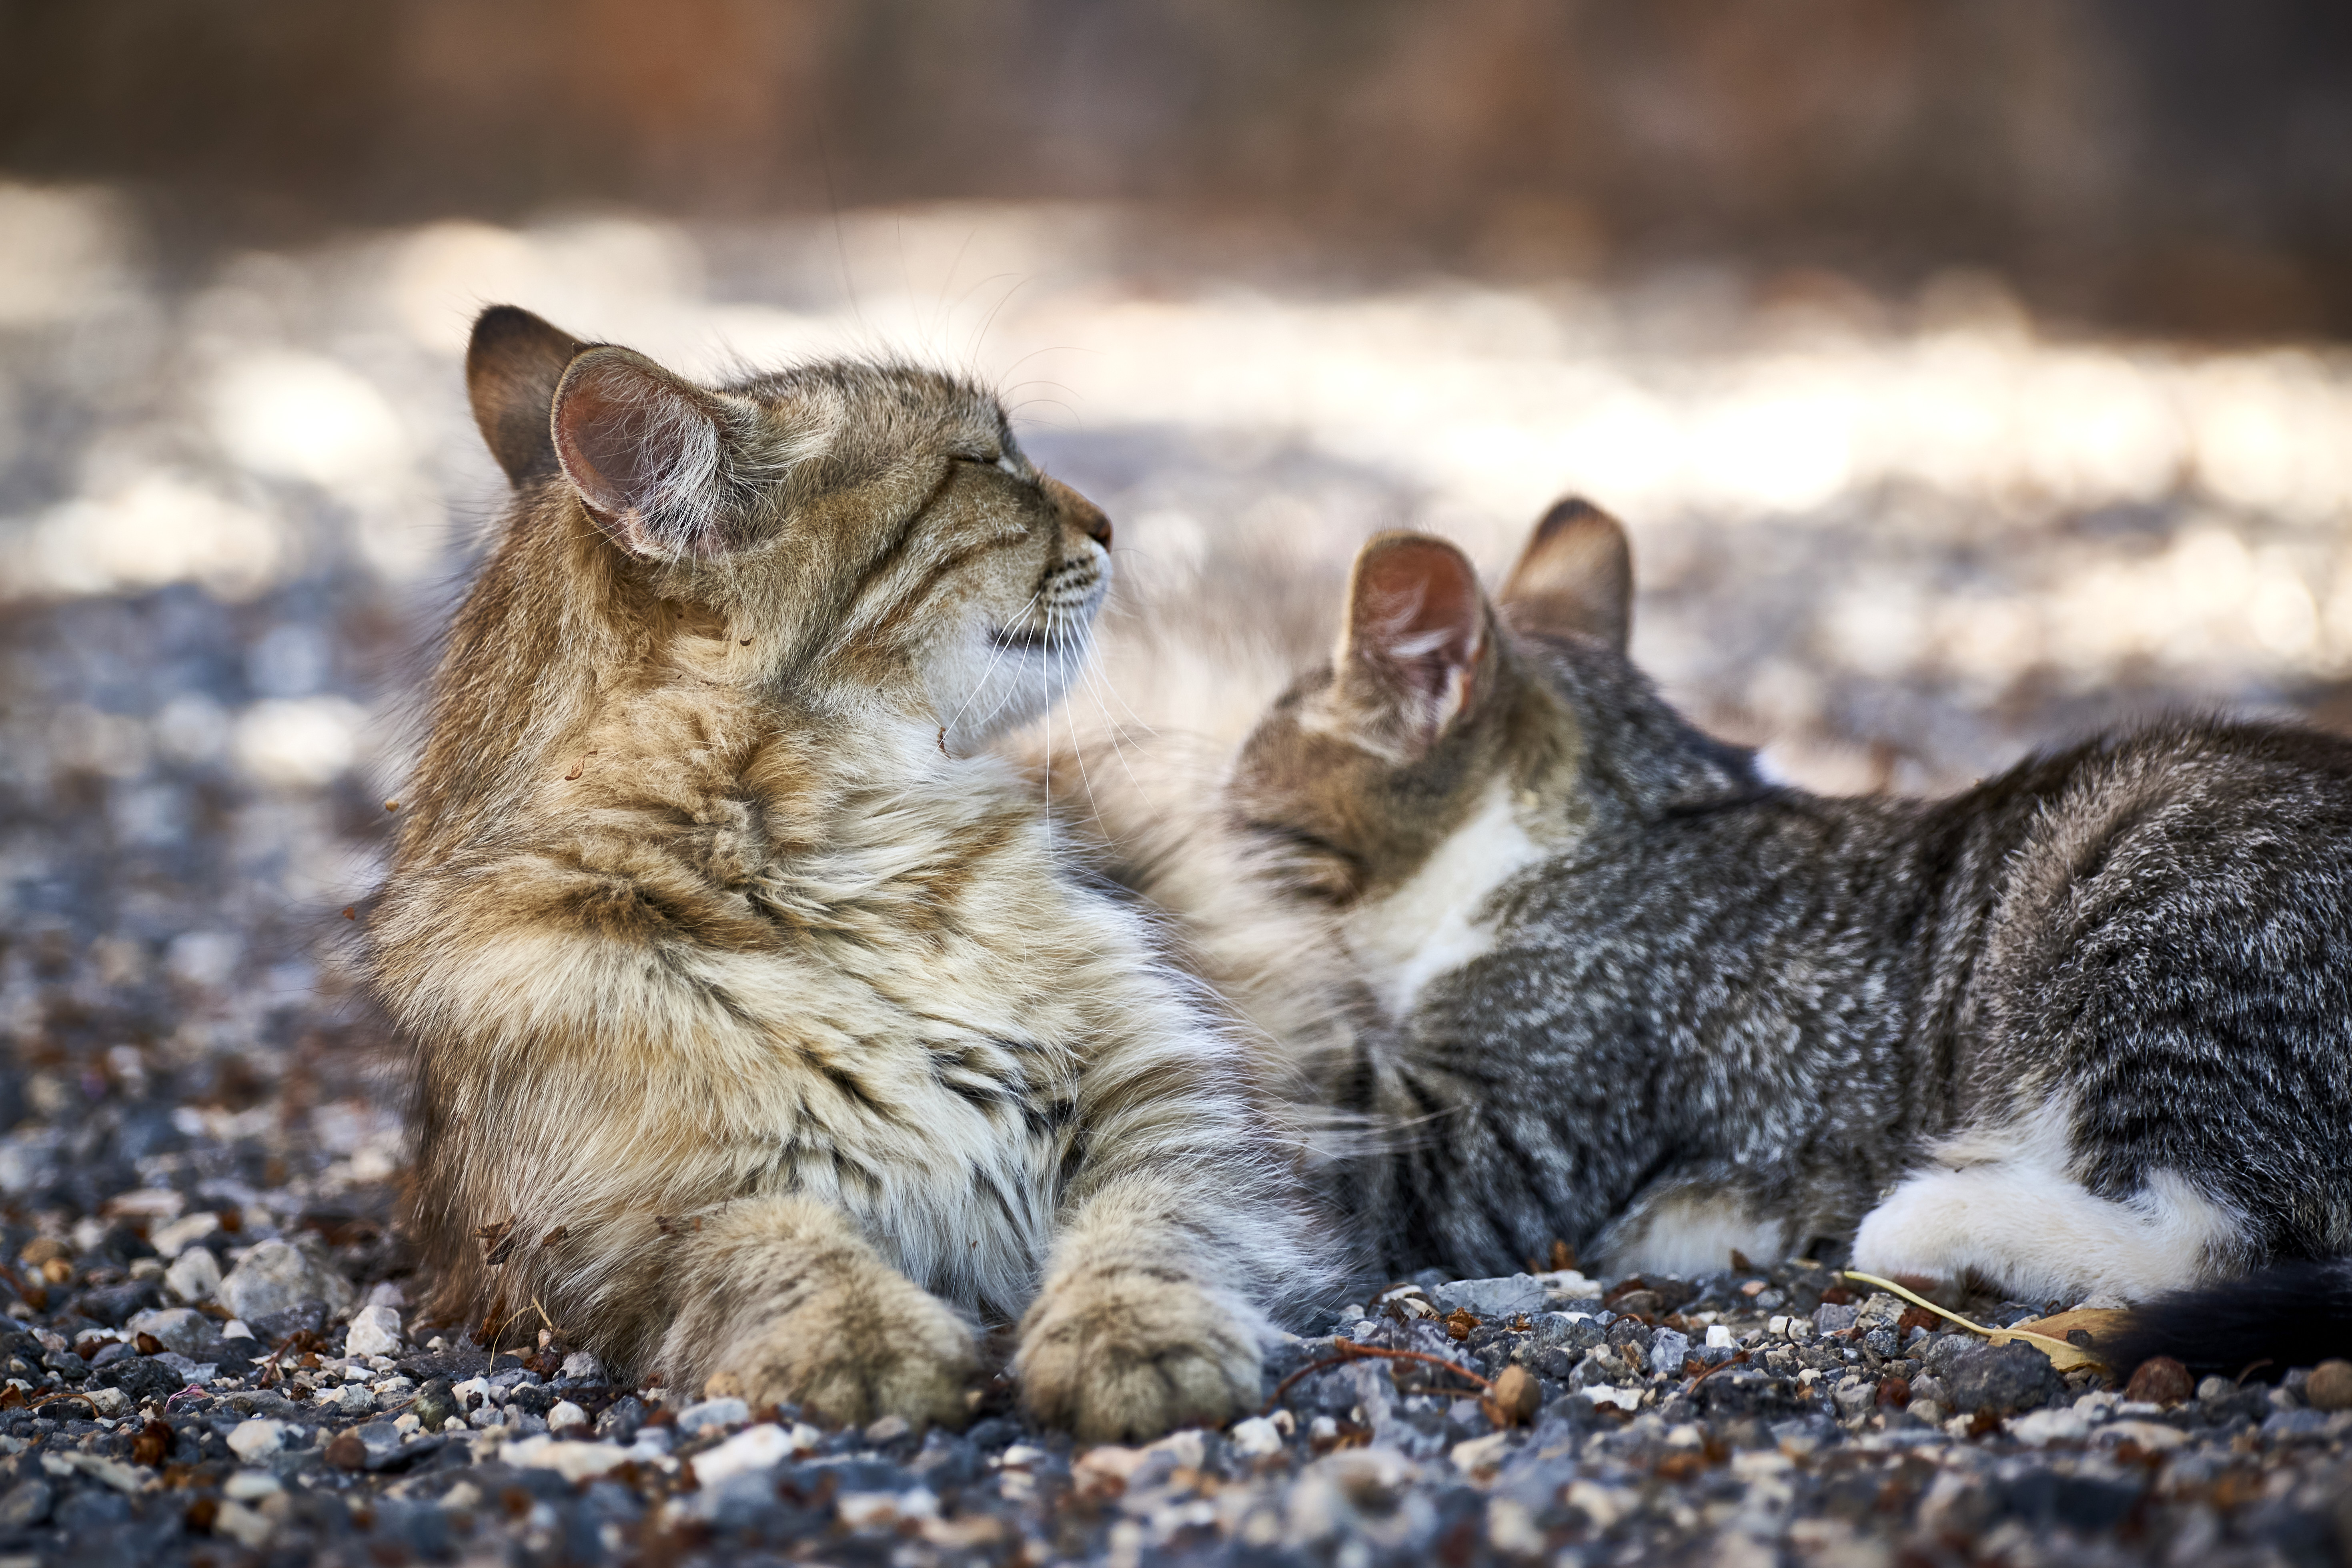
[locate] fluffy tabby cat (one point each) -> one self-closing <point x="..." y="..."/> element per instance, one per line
<point x="2079" y="1030"/>
<point x="762" y="1028"/>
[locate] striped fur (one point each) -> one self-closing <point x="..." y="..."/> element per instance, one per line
<point x="762" y="1028"/>
<point x="2078" y="1030"/>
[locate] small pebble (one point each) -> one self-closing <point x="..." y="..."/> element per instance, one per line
<point x="2329" y="1386"/>
<point x="2159" y="1380"/>
<point x="1517" y="1394"/>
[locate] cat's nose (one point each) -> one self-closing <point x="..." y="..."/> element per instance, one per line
<point x="1077" y="509"/>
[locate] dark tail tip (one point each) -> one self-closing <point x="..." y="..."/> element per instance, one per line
<point x="2287" y="1315"/>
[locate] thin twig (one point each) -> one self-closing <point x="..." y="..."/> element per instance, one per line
<point x="2075" y="1352"/>
<point x="1350" y="1351"/>
<point x="1739" y="1359"/>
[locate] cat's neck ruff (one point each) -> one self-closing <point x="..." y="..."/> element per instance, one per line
<point x="1440" y="918"/>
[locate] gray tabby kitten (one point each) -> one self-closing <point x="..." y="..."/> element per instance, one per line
<point x="2077" y="1031"/>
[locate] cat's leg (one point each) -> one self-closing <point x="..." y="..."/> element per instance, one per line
<point x="1141" y="1326"/>
<point x="2002" y="1205"/>
<point x="1182" y="1222"/>
<point x="784" y="1294"/>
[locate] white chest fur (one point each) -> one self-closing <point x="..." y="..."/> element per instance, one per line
<point x="1436" y="923"/>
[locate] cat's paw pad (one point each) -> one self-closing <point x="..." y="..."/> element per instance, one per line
<point x="849" y="1359"/>
<point x="1120" y="1355"/>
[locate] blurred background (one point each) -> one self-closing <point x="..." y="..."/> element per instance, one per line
<point x="1971" y="372"/>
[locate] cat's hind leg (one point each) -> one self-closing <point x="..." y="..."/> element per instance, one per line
<point x="2002" y="1205"/>
<point x="785" y="1296"/>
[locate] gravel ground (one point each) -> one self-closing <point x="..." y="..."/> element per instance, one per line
<point x="1717" y="1421"/>
<point x="1896" y="541"/>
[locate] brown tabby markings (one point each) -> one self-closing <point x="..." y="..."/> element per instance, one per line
<point x="740" y="973"/>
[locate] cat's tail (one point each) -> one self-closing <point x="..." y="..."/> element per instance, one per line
<point x="2287" y="1315"/>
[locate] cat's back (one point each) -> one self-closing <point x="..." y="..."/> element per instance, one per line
<point x="2192" y="828"/>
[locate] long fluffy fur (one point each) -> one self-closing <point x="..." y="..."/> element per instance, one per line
<point x="762" y="1028"/>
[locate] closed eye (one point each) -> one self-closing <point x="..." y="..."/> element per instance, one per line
<point x="1003" y="463"/>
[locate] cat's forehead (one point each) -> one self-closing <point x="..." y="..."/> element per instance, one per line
<point x="870" y="394"/>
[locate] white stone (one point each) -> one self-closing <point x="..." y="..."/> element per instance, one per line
<point x="172" y="1239"/>
<point x="114" y="1473"/>
<point x="406" y="1422"/>
<point x="108" y="1402"/>
<point x="2059" y="1423"/>
<point x="712" y="1413"/>
<point x="565" y="1415"/>
<point x="251" y="1486"/>
<point x="1189" y="1447"/>
<point x="1604" y="1505"/>
<point x="880" y="1510"/>
<point x="242" y="1525"/>
<point x="573" y="1461"/>
<point x="1511" y="1526"/>
<point x="1257" y="1437"/>
<point x="1622" y="1398"/>
<point x="2149" y="1435"/>
<point x="753" y="1449"/>
<point x="1719" y="1337"/>
<point x="251" y="1440"/>
<point x="375" y="1331"/>
<point x="194" y="1276"/>
<point x="1481" y="1455"/>
<point x="235" y="1329"/>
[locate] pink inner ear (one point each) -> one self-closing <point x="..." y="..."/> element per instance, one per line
<point x="630" y="440"/>
<point x="1418" y="611"/>
<point x="602" y="437"/>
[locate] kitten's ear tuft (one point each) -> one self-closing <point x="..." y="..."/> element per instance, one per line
<point x="1576" y="575"/>
<point x="1416" y="628"/>
<point x="512" y="366"/>
<point x="646" y="450"/>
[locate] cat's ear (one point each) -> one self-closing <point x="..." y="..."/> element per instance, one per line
<point x="647" y="450"/>
<point x="1416" y="628"/>
<point x="1576" y="575"/>
<point x="512" y="366"/>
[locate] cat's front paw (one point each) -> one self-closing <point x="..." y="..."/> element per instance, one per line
<point x="1117" y="1355"/>
<point x="848" y="1358"/>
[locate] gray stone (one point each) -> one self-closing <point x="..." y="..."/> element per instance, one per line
<point x="1668" y="1348"/>
<point x="2001" y="1378"/>
<point x="379" y="1438"/>
<point x="621" y="1418"/>
<point x="278" y="1278"/>
<point x="2295" y="1424"/>
<point x="1880" y="1311"/>
<point x="434" y="1403"/>
<point x="182" y="1330"/>
<point x="1855" y="1399"/>
<point x="1831" y="1319"/>
<point x="24" y="1505"/>
<point x="1491" y="1299"/>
